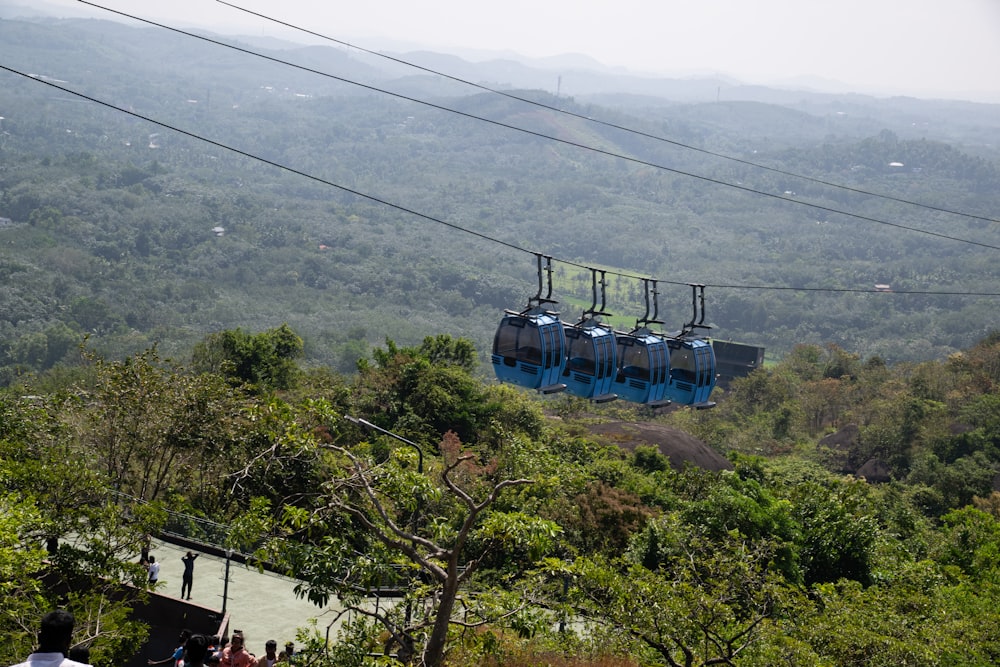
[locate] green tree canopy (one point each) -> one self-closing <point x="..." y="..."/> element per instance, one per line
<point x="266" y="360"/>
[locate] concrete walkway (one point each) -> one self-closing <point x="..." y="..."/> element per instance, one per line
<point x="263" y="605"/>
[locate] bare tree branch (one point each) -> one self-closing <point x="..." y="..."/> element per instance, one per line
<point x="357" y="495"/>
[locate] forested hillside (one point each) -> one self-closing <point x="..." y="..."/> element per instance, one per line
<point x="518" y="536"/>
<point x="285" y="281"/>
<point x="266" y="194"/>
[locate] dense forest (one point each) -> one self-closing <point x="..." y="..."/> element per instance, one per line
<point x="265" y="193"/>
<point x="521" y="529"/>
<point x="218" y="267"/>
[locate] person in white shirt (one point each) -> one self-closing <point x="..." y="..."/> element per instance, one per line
<point x="54" y="639"/>
<point x="154" y="571"/>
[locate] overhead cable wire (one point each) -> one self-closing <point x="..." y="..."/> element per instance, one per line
<point x="541" y="135"/>
<point x="843" y="290"/>
<point x="451" y="225"/>
<point x="615" y="126"/>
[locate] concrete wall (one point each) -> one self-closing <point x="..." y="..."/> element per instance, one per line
<point x="166" y="617"/>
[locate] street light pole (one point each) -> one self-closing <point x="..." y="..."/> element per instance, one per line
<point x="225" y="581"/>
<point x="367" y="424"/>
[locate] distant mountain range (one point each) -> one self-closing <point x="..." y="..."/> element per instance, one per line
<point x="570" y="74"/>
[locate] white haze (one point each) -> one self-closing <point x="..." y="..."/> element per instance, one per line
<point x="923" y="48"/>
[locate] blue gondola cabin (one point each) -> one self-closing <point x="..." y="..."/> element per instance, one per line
<point x="529" y="350"/>
<point x="692" y="372"/>
<point x="591" y="354"/>
<point x="643" y="368"/>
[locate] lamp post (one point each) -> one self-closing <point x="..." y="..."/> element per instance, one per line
<point x="225" y="581"/>
<point x="367" y="424"/>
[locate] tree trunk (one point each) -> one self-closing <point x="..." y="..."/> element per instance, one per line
<point x="434" y="649"/>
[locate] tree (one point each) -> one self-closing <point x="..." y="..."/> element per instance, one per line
<point x="264" y="360"/>
<point x="64" y="541"/>
<point x="424" y="392"/>
<point x="838" y="533"/>
<point x="710" y="603"/>
<point x="923" y="614"/>
<point x="377" y="514"/>
<point x="971" y="541"/>
<point x="147" y="425"/>
<point x="745" y="507"/>
<point x="445" y="349"/>
<point x="21" y="559"/>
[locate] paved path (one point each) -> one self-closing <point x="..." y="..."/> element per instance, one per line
<point x="263" y="605"/>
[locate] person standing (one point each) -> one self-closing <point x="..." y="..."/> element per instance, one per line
<point x="54" y="639"/>
<point x="154" y="571"/>
<point x="195" y="651"/>
<point x="188" y="577"/>
<point x="236" y="654"/>
<point x="270" y="654"/>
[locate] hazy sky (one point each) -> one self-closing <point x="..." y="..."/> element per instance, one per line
<point x="939" y="48"/>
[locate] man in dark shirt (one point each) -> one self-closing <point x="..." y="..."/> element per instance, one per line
<point x="188" y="578"/>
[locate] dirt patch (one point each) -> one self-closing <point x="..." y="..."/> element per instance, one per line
<point x="681" y="448"/>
